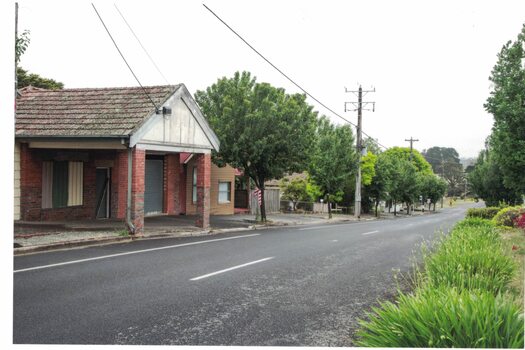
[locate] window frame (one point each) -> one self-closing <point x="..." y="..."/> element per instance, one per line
<point x="194" y="196"/>
<point x="229" y="192"/>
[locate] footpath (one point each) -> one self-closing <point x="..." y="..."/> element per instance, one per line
<point x="31" y="237"/>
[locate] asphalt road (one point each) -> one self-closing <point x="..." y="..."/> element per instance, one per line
<point x="300" y="286"/>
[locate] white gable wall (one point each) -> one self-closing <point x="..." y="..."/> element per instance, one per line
<point x="182" y="131"/>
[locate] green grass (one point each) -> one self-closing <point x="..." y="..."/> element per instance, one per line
<point x="472" y="257"/>
<point x="445" y="318"/>
<point x="514" y="243"/>
<point x="464" y="295"/>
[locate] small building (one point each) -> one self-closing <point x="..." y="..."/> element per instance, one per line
<point x="116" y="152"/>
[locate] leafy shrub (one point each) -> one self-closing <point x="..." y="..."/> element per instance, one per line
<point x="484" y="213"/>
<point x="471" y="257"/>
<point x="520" y="221"/>
<point x="507" y="216"/>
<point x="445" y="318"/>
<point x="473" y="222"/>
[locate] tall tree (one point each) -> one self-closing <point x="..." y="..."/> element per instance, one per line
<point x="333" y="160"/>
<point x="446" y="163"/>
<point x="414" y="157"/>
<point x="487" y="182"/>
<point x="507" y="105"/>
<point x="262" y="130"/>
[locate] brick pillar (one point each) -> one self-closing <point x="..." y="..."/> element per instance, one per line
<point x="30" y="184"/>
<point x="182" y="188"/>
<point x="203" y="190"/>
<point x="137" y="189"/>
<point x="119" y="179"/>
<point x="171" y="184"/>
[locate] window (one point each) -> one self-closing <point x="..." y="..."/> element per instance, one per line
<point x="62" y="184"/>
<point x="224" y="192"/>
<point x="194" y="188"/>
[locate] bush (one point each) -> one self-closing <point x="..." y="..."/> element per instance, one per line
<point x="520" y="221"/>
<point x="507" y="216"/>
<point x="471" y="257"/>
<point x="445" y="318"/>
<point x="484" y="213"/>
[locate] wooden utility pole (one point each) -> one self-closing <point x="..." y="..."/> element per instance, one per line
<point x="16" y="39"/>
<point x="411" y="140"/>
<point x="359" y="143"/>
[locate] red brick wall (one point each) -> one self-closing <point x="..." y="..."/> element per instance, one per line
<point x="203" y="190"/>
<point x="31" y="183"/>
<point x="172" y="184"/>
<point x="137" y="189"/>
<point x="119" y="179"/>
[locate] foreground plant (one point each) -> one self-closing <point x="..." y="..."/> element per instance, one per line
<point x="445" y="318"/>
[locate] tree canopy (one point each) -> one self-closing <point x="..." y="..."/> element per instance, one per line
<point x="334" y="159"/>
<point x="445" y="162"/>
<point x="507" y="105"/>
<point x="262" y="130"/>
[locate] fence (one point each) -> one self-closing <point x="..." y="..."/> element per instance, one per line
<point x="271" y="201"/>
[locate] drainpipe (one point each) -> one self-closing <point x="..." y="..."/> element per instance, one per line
<point x="131" y="227"/>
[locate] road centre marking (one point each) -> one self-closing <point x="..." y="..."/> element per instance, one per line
<point x="133" y="252"/>
<point x="230" y="269"/>
<point x="369" y="233"/>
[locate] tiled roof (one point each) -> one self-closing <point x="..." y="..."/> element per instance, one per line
<point x="86" y="112"/>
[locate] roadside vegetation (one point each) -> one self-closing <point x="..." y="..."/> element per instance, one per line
<point x="468" y="292"/>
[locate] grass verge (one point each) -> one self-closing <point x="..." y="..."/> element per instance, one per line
<point x="466" y="294"/>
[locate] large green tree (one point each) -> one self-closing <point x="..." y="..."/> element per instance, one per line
<point x="507" y="105"/>
<point x="445" y="162"/>
<point x="487" y="182"/>
<point x="262" y="130"/>
<point x="333" y="160"/>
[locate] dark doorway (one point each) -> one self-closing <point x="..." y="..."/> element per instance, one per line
<point x="154" y="186"/>
<point x="103" y="193"/>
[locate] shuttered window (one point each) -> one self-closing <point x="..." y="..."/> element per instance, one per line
<point x="62" y="184"/>
<point x="224" y="192"/>
<point x="194" y="187"/>
<point x="75" y="181"/>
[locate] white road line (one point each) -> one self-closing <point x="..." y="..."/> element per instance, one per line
<point x="229" y="269"/>
<point x="369" y="233"/>
<point x="335" y="240"/>
<point x="133" y="252"/>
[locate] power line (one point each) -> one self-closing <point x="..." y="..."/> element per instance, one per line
<point x="287" y="77"/>
<point x="140" y="43"/>
<point x="121" y="55"/>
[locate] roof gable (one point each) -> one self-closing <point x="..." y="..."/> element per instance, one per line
<point x="185" y="128"/>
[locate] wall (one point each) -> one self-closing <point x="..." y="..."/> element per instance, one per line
<point x="217" y="174"/>
<point x="31" y="183"/>
<point x="16" y="212"/>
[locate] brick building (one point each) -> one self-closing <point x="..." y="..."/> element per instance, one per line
<point x="116" y="152"/>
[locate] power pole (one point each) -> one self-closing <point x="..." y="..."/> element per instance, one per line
<point x="412" y="140"/>
<point x="359" y="141"/>
<point x="16" y="39"/>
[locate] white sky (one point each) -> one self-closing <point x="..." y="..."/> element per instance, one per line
<point x="428" y="60"/>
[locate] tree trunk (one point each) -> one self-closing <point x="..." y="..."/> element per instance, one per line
<point x="329" y="206"/>
<point x="395" y="208"/>
<point x="377" y="204"/>
<point x="434" y="206"/>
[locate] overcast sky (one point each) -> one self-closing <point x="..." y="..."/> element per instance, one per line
<point x="429" y="61"/>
